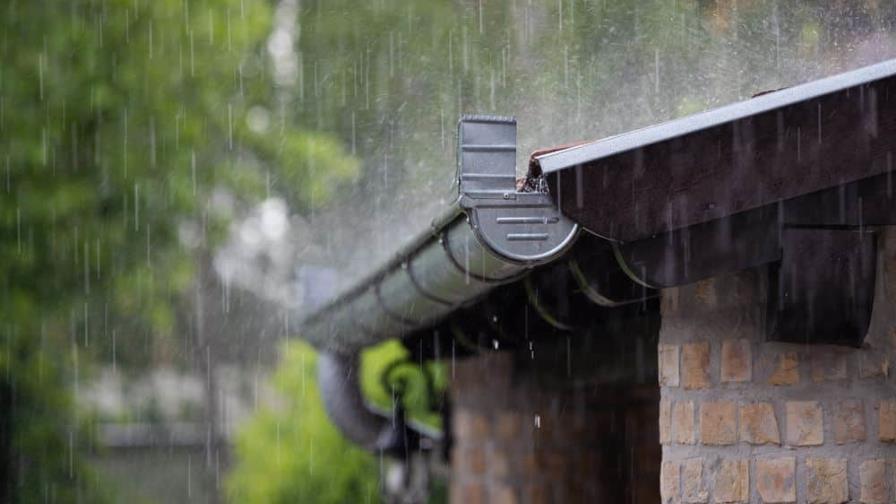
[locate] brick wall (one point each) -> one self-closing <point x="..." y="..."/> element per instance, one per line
<point x="743" y="420"/>
<point x="521" y="439"/>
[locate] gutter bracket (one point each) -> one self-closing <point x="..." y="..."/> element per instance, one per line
<point x="822" y="289"/>
<point x="521" y="226"/>
<point x="819" y="252"/>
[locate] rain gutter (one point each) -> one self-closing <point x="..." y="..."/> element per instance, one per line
<point x="492" y="234"/>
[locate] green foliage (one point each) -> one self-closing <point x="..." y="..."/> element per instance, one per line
<point x="120" y="121"/>
<point x="292" y="453"/>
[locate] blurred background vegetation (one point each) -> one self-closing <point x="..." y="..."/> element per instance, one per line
<point x="141" y="140"/>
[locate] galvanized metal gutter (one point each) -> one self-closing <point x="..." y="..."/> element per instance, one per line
<point x="492" y="234"/>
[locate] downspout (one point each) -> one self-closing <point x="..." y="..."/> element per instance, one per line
<point x="338" y="379"/>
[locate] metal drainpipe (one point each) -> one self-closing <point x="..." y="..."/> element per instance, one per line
<point x="338" y="376"/>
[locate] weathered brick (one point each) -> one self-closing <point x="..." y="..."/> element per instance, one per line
<point x="553" y="464"/>
<point x="508" y="425"/>
<point x="776" y="480"/>
<point x="670" y="478"/>
<point x="475" y="460"/>
<point x="470" y="426"/>
<point x="498" y="463"/>
<point x="827" y="481"/>
<point x="463" y="492"/>
<point x="718" y="423"/>
<point x="787" y="369"/>
<point x="705" y="293"/>
<point x="828" y="364"/>
<point x="758" y="424"/>
<point x="668" y="365"/>
<point x="873" y="482"/>
<point x="683" y="422"/>
<point x="665" y="421"/>
<point x="805" y="424"/>
<point x="737" y="361"/>
<point x="528" y="464"/>
<point x="887" y="421"/>
<point x="693" y="490"/>
<point x="874" y="363"/>
<point x="849" y="422"/>
<point x="695" y="365"/>
<point x="473" y="457"/>
<point x="536" y="493"/>
<point x="732" y="482"/>
<point x="502" y="494"/>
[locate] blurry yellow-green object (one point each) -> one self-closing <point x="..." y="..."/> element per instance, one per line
<point x="292" y="453"/>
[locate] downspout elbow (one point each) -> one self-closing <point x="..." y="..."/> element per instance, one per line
<point x="338" y="379"/>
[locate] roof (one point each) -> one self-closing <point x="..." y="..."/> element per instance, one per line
<point x="706" y="166"/>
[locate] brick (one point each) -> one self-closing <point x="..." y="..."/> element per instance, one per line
<point x="873" y="363"/>
<point x="827" y="481"/>
<point x="508" y="425"/>
<point x="498" y="463"/>
<point x="787" y="369"/>
<point x="668" y="365"/>
<point x="683" y="422"/>
<point x="502" y="494"/>
<point x="695" y="365"/>
<point x="828" y="364"/>
<point x="776" y="480"/>
<point x="737" y="361"/>
<point x="758" y="424"/>
<point x="474" y="460"/>
<point x="693" y="490"/>
<point x="467" y="493"/>
<point x="470" y="426"/>
<point x="805" y="425"/>
<point x="849" y="422"/>
<point x="665" y="421"/>
<point x="887" y="421"/>
<point x="553" y="464"/>
<point x="528" y="464"/>
<point x="732" y="484"/>
<point x="581" y="427"/>
<point x="536" y="493"/>
<point x="718" y="423"/>
<point x="670" y="481"/>
<point x="873" y="482"/>
<point x="705" y="293"/>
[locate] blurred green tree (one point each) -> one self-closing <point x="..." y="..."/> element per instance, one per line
<point x="121" y="122"/>
<point x="292" y="453"/>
